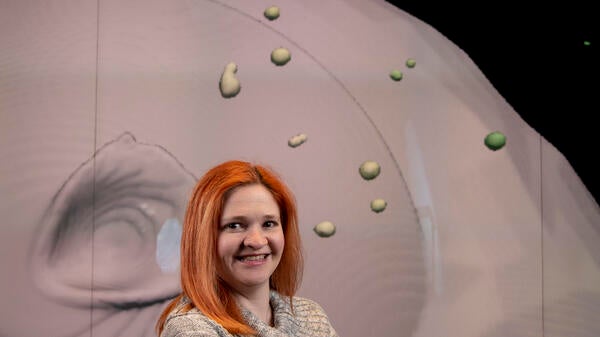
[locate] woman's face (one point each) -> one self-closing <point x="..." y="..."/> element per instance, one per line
<point x="250" y="239"/>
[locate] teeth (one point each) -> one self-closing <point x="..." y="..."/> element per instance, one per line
<point x="254" y="258"/>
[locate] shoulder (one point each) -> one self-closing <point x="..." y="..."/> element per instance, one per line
<point x="180" y="323"/>
<point x="309" y="317"/>
<point x="305" y="307"/>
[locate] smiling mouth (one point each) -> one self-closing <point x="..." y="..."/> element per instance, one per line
<point x="252" y="258"/>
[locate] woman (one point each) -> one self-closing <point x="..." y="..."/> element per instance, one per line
<point x="241" y="261"/>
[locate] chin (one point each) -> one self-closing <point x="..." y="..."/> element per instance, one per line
<point x="252" y="280"/>
<point x="249" y="283"/>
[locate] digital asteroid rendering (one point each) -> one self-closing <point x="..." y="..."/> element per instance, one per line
<point x="229" y="84"/>
<point x="396" y="75"/>
<point x="272" y="13"/>
<point x="495" y="140"/>
<point x="369" y="170"/>
<point x="378" y="205"/>
<point x="297" y="140"/>
<point x="281" y="56"/>
<point x="325" y="229"/>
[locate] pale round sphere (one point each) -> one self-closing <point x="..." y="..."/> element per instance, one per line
<point x="280" y="56"/>
<point x="378" y="205"/>
<point x="272" y="13"/>
<point x="369" y="170"/>
<point x="325" y="229"/>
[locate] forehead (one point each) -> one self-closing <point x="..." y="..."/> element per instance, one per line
<point x="250" y="198"/>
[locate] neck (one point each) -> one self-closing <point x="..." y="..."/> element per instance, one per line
<point x="257" y="301"/>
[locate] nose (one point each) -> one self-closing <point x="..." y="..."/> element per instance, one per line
<point x="255" y="238"/>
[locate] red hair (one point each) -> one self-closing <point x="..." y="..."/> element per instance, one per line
<point x="199" y="279"/>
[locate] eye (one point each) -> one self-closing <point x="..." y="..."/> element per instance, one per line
<point x="233" y="226"/>
<point x="124" y="208"/>
<point x="270" y="224"/>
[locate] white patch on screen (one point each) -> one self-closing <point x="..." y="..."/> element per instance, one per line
<point x="421" y="194"/>
<point x="168" y="241"/>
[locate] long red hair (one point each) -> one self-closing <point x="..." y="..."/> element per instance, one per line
<point x="199" y="279"/>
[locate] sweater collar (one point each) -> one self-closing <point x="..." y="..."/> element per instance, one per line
<point x="283" y="318"/>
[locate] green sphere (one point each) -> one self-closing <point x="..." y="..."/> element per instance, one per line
<point x="396" y="75"/>
<point x="495" y="141"/>
<point x="411" y="63"/>
<point x="272" y="13"/>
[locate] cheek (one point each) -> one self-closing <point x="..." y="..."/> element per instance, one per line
<point x="225" y="248"/>
<point x="279" y="242"/>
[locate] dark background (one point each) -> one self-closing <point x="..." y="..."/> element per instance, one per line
<point x="536" y="58"/>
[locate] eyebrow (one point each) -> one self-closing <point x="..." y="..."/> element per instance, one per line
<point x="244" y="218"/>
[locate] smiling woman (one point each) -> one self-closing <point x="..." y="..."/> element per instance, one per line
<point x="241" y="260"/>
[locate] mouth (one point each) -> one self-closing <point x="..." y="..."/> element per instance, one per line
<point x="261" y="257"/>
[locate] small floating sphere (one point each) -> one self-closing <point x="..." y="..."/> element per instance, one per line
<point x="495" y="141"/>
<point x="369" y="170"/>
<point x="378" y="205"/>
<point x="280" y="56"/>
<point x="325" y="229"/>
<point x="272" y="13"/>
<point x="396" y="75"/>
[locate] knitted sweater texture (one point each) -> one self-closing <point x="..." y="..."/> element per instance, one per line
<point x="309" y="321"/>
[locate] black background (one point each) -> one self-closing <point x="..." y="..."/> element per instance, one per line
<point x="536" y="58"/>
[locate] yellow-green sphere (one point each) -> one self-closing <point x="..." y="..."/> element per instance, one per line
<point x="280" y="56"/>
<point x="378" y="205"/>
<point x="396" y="75"/>
<point x="369" y="170"/>
<point x="272" y="13"/>
<point x="325" y="229"/>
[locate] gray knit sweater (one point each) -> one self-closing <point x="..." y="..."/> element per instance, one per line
<point x="310" y="321"/>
